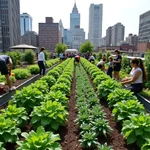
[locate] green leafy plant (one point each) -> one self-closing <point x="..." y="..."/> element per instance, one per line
<point x="61" y="87"/>
<point x="39" y="140"/>
<point x="123" y="110"/>
<point x="53" y="73"/>
<point x="28" y="97"/>
<point x="99" y="79"/>
<point x="57" y="96"/>
<point x="49" y="79"/>
<point x="19" y="115"/>
<point x="50" y="115"/>
<point x="21" y="73"/>
<point x="89" y="139"/>
<point x="1" y="146"/>
<point x="104" y="147"/>
<point x="107" y="87"/>
<point x="119" y="95"/>
<point x="64" y="81"/>
<point x="137" y="129"/>
<point x="8" y="130"/>
<point x="3" y="79"/>
<point x="102" y="126"/>
<point x="34" y="69"/>
<point x="146" y="146"/>
<point x="41" y="86"/>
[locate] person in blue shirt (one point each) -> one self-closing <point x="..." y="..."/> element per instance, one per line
<point x="110" y="66"/>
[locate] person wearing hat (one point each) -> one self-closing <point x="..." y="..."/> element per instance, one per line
<point x="6" y="71"/>
<point x="41" y="61"/>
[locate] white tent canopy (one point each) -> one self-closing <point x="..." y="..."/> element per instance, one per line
<point x="23" y="46"/>
<point x="71" y="51"/>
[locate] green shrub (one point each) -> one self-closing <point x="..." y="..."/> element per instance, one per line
<point x="21" y="73"/>
<point x="29" y="56"/>
<point x="39" y="140"/>
<point x="34" y="69"/>
<point x="16" y="57"/>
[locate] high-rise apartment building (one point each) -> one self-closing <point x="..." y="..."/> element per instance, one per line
<point x="49" y="34"/>
<point x="0" y="37"/>
<point x="144" y="27"/>
<point x="117" y="34"/>
<point x="74" y="18"/>
<point x="108" y="36"/>
<point x="10" y="23"/>
<point x="132" y="39"/>
<point x="25" y="23"/>
<point x="95" y="24"/>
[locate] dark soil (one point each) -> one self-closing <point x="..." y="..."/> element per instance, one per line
<point x="114" y="139"/>
<point x="69" y="134"/>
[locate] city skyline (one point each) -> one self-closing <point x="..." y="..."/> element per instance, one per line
<point x="127" y="12"/>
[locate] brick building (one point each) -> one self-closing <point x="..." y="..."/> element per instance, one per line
<point x="49" y="34"/>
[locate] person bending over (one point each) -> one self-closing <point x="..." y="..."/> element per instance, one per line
<point x="137" y="76"/>
<point x="6" y="71"/>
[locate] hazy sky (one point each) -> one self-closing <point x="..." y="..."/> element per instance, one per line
<point x="125" y="11"/>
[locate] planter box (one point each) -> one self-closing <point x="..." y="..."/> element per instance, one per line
<point x="144" y="101"/>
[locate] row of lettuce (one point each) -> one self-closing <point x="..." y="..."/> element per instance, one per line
<point x="91" y="118"/>
<point x="125" y="106"/>
<point x="43" y="106"/>
<point x="24" y="73"/>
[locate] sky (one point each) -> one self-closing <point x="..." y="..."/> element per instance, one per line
<point x="125" y="11"/>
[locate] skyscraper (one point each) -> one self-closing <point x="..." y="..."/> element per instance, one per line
<point x="95" y="24"/>
<point x="117" y="34"/>
<point x="74" y="18"/>
<point x="10" y="23"/>
<point x="25" y="23"/>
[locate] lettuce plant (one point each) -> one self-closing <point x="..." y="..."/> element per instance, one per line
<point x="19" y="115"/>
<point x="50" y="115"/>
<point x="119" y="95"/>
<point x="61" y="87"/>
<point x="57" y="96"/>
<point x="21" y="73"/>
<point x="123" y="110"/>
<point x="53" y="73"/>
<point x="39" y="140"/>
<point x="104" y="147"/>
<point x="28" y="97"/>
<point x="137" y="129"/>
<point x="89" y="139"/>
<point x="1" y="146"/>
<point x="64" y="81"/>
<point x="146" y="146"/>
<point x="34" y="69"/>
<point x="49" y="79"/>
<point x="107" y="87"/>
<point x="8" y="130"/>
<point x="41" y="86"/>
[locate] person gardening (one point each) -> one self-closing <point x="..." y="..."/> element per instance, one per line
<point x="6" y="71"/>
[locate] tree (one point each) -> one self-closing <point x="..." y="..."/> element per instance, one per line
<point x="86" y="47"/>
<point x="60" y="48"/>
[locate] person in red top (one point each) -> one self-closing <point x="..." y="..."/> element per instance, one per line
<point x="77" y="58"/>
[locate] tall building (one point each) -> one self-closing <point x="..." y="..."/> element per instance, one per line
<point x="78" y="37"/>
<point x="144" y="32"/>
<point x="68" y="37"/>
<point x="61" y="28"/>
<point x="74" y="18"/>
<point x="108" y="36"/>
<point x="95" y="24"/>
<point x="132" y="39"/>
<point x="117" y="34"/>
<point x="49" y="34"/>
<point x="30" y="38"/>
<point x="25" y="23"/>
<point x="10" y="23"/>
